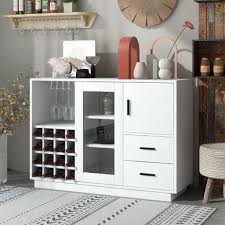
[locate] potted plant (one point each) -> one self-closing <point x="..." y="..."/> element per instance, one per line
<point x="14" y="110"/>
<point x="69" y="6"/>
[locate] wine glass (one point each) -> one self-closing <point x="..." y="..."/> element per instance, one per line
<point x="68" y="112"/>
<point x="55" y="109"/>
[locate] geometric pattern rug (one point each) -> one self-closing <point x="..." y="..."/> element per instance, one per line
<point x="29" y="206"/>
<point x="183" y="214"/>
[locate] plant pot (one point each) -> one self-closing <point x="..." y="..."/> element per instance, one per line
<point x="69" y="7"/>
<point x="165" y="68"/>
<point x="3" y="159"/>
<point x="140" y="71"/>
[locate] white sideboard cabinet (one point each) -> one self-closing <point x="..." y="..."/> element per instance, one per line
<point x="129" y="138"/>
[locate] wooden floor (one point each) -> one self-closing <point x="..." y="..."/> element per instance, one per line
<point x="191" y="197"/>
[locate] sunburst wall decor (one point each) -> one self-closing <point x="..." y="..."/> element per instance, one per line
<point x="147" y="13"/>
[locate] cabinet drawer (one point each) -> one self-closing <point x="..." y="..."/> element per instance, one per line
<point x="148" y="149"/>
<point x="148" y="175"/>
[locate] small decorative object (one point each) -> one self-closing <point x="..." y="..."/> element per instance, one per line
<point x="38" y="6"/>
<point x="218" y="67"/>
<point x="21" y="6"/>
<point x="68" y="67"/>
<point x="140" y="71"/>
<point x="93" y="60"/>
<point x="166" y="66"/>
<point x="166" y="63"/>
<point x="29" y="6"/>
<point x="69" y="6"/>
<point x="45" y="6"/>
<point x="53" y="7"/>
<point x="205" y="67"/>
<point x="108" y="104"/>
<point x="128" y="56"/>
<point x="16" y="6"/>
<point x="147" y="13"/>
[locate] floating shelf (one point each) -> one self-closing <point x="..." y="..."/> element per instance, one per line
<point x="51" y="21"/>
<point x="101" y="117"/>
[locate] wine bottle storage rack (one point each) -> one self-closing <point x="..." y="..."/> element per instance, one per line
<point x="53" y="154"/>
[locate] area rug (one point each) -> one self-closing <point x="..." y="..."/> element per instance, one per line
<point x="29" y="206"/>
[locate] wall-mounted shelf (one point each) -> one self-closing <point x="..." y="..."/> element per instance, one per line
<point x="51" y="21"/>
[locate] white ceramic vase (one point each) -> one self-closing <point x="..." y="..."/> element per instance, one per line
<point x="140" y="71"/>
<point x="165" y="68"/>
<point x="3" y="159"/>
<point x="69" y="7"/>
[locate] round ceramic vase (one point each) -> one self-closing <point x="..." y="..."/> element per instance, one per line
<point x="140" y="71"/>
<point x="165" y="68"/>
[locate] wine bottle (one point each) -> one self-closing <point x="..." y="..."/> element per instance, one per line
<point x="70" y="134"/>
<point x="60" y="161"/>
<point x="37" y="133"/>
<point x="71" y="163"/>
<point x="60" y="147"/>
<point x="16" y="6"/>
<point x="48" y="160"/>
<point x="60" y="134"/>
<point x="38" y="6"/>
<point x="37" y="173"/>
<point x="37" y="160"/>
<point x="60" y="174"/>
<point x="38" y="146"/>
<point x="70" y="175"/>
<point x="45" y="4"/>
<point x="48" y="147"/>
<point x="71" y="148"/>
<point x="48" y="173"/>
<point x="21" y="6"/>
<point x="48" y="133"/>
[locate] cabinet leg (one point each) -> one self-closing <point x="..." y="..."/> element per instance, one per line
<point x="208" y="190"/>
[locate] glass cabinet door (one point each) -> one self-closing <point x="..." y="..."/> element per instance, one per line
<point x="96" y="138"/>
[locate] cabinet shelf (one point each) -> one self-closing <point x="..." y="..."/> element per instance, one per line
<point x="100" y="117"/>
<point x="51" y="21"/>
<point x="95" y="145"/>
<point x="61" y="125"/>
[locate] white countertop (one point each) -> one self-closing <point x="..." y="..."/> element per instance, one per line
<point x="113" y="80"/>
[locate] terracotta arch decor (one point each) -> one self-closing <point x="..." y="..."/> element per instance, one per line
<point x="128" y="56"/>
<point x="147" y="13"/>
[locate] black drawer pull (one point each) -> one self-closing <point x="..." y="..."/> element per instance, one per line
<point x="128" y="107"/>
<point x="149" y="149"/>
<point x="148" y="174"/>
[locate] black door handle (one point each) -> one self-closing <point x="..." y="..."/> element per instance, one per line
<point x="150" y="149"/>
<point x="128" y="107"/>
<point x="148" y="174"/>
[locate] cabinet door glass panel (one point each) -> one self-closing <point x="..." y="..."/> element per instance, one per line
<point x="98" y="155"/>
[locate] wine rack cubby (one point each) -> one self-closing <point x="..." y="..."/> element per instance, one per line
<point x="53" y="153"/>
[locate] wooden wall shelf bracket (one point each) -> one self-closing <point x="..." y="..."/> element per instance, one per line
<point x="52" y="21"/>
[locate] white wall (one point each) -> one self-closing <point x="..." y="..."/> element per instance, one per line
<point x="18" y="52"/>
